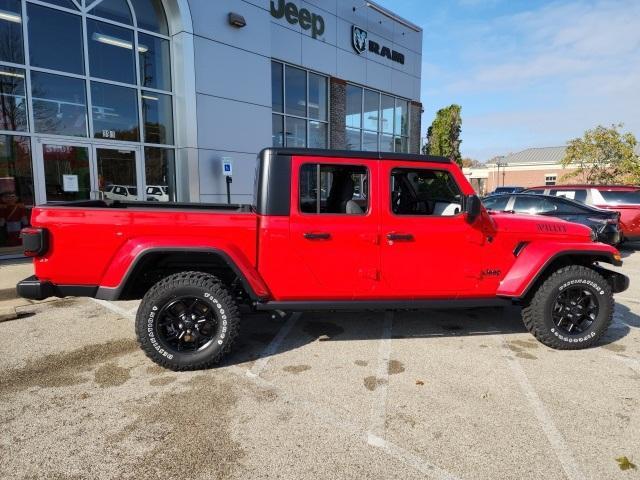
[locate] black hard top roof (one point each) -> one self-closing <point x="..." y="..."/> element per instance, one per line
<point x="317" y="152"/>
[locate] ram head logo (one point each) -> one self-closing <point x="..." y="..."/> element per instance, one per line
<point x="358" y="39"/>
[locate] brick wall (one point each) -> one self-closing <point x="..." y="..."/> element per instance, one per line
<point x="415" y="114"/>
<point x="523" y="177"/>
<point x="338" y="102"/>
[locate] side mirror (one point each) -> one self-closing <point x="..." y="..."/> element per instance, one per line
<point x="472" y="207"/>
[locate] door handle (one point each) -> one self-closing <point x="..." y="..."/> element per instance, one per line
<point x="317" y="236"/>
<point x="399" y="237"/>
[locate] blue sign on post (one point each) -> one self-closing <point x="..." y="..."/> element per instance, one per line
<point x="227" y="166"/>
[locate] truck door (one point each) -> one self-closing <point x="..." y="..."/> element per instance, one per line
<point x="428" y="249"/>
<point x="334" y="226"/>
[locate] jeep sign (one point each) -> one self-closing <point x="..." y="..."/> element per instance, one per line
<point x="359" y="43"/>
<point x="293" y="15"/>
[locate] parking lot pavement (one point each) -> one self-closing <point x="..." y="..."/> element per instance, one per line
<point x="417" y="394"/>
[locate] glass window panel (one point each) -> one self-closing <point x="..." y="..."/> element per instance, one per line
<point x="59" y="104"/>
<point x="386" y="143"/>
<point x="276" y="87"/>
<point x="16" y="190"/>
<point x="150" y="15"/>
<point x="63" y="3"/>
<point x="369" y="141"/>
<point x="61" y="160"/>
<point x="353" y="139"/>
<point x="371" y="110"/>
<point x="55" y="39"/>
<point x="296" y="131"/>
<point x="116" y="10"/>
<point x="13" y="105"/>
<point x="110" y="52"/>
<point x="354" y="107"/>
<point x="386" y="107"/>
<point x="402" y="145"/>
<point x="402" y="118"/>
<point x="160" y="174"/>
<point x="277" y="130"/>
<point x="117" y="174"/>
<point x="115" y="112"/>
<point x="11" y="47"/>
<point x="295" y="91"/>
<point x="317" y="97"/>
<point x="317" y="135"/>
<point x="157" y="111"/>
<point x="155" y="63"/>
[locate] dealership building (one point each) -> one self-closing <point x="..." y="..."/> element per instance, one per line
<point x="148" y="99"/>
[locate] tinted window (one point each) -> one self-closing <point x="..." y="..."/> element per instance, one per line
<point x="160" y="171"/>
<point x="296" y="91"/>
<point x="402" y="117"/>
<point x="277" y="102"/>
<point x="155" y="66"/>
<point x="578" y="195"/>
<point x="157" y="111"/>
<point x="116" y="10"/>
<point x="317" y="97"/>
<point x="424" y="192"/>
<point x="11" y="48"/>
<point x="317" y="135"/>
<point x="13" y="105"/>
<point x="353" y="115"/>
<point x="277" y="130"/>
<point x="55" y="39"/>
<point x="343" y="189"/>
<point x="387" y="114"/>
<point x="569" y="207"/>
<point x="150" y="15"/>
<point x="353" y="139"/>
<point x="498" y="203"/>
<point x="115" y="112"/>
<point x="296" y="132"/>
<point x="110" y="52"/>
<point x="621" y="197"/>
<point x="533" y="205"/>
<point x="371" y="111"/>
<point x="59" y="104"/>
<point x="536" y="191"/>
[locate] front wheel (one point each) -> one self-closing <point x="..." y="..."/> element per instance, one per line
<point x="187" y="321"/>
<point x="571" y="310"/>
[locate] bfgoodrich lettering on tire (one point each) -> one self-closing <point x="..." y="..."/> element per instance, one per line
<point x="571" y="310"/>
<point x="187" y="321"/>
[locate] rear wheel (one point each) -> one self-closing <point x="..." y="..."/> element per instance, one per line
<point x="571" y="310"/>
<point x="187" y="321"/>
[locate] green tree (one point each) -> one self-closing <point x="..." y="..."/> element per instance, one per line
<point x="603" y="155"/>
<point x="443" y="136"/>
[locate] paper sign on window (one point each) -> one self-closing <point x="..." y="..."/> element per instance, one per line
<point x="70" y="183"/>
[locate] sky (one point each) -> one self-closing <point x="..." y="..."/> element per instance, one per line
<point x="528" y="73"/>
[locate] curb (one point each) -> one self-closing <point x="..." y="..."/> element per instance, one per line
<point x="8" y="313"/>
<point x="8" y="294"/>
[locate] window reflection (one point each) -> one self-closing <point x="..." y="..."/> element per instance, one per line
<point x="150" y="16"/>
<point x="115" y="112"/>
<point x="157" y="112"/>
<point x="11" y="47"/>
<point x="160" y="175"/>
<point x="13" y="105"/>
<point x="317" y="135"/>
<point x="296" y="91"/>
<point x="296" y="132"/>
<point x="155" y="64"/>
<point x="277" y="130"/>
<point x="59" y="104"/>
<point x="16" y="190"/>
<point x="317" y="97"/>
<point x="277" y="102"/>
<point x="55" y="39"/>
<point x="110" y="52"/>
<point x="116" y="10"/>
<point x="387" y="113"/>
<point x="354" y="107"/>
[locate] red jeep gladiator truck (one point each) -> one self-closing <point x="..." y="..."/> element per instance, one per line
<point x="328" y="230"/>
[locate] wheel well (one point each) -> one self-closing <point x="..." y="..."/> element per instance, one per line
<point x="154" y="266"/>
<point x="556" y="264"/>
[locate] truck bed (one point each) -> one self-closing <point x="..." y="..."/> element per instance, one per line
<point x="94" y="242"/>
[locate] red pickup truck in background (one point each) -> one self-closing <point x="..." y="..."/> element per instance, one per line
<point x="624" y="199"/>
<point x="328" y="230"/>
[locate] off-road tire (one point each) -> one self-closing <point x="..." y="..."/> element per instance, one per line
<point x="537" y="315"/>
<point x="208" y="289"/>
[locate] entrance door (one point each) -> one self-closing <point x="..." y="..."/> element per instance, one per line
<point x="81" y="171"/>
<point x="118" y="174"/>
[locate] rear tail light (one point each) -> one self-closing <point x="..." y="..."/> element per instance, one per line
<point x="35" y="241"/>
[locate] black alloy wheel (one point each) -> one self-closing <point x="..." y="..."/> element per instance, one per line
<point x="575" y="310"/>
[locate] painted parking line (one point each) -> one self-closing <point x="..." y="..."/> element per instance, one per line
<point x="379" y="406"/>
<point x="116" y="309"/>
<point x="549" y="428"/>
<point x="273" y="347"/>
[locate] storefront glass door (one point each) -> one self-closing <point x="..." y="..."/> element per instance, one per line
<point x="79" y="171"/>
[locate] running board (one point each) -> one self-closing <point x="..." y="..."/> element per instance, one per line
<point x="304" y="306"/>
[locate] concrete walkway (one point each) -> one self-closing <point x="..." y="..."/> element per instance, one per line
<point x="11" y="272"/>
